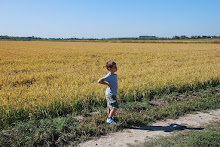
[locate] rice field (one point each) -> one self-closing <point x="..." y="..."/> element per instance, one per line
<point x="52" y="78"/>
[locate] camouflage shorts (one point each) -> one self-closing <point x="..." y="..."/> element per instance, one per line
<point x="112" y="102"/>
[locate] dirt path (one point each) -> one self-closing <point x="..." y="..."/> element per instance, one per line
<point x="156" y="130"/>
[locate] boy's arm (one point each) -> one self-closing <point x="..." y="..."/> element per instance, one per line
<point x="102" y="81"/>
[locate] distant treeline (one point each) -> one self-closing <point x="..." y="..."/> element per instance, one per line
<point x="5" y="37"/>
<point x="32" y="38"/>
<point x="194" y="37"/>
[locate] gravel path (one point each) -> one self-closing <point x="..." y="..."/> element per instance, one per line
<point x="161" y="128"/>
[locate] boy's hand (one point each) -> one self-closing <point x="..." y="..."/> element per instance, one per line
<point x="102" y="81"/>
<point x="109" y="85"/>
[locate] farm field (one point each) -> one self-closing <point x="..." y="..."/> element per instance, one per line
<point x="41" y="79"/>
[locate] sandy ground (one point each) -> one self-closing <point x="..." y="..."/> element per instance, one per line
<point x="161" y="128"/>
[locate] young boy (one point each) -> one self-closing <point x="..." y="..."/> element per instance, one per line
<point x="111" y="81"/>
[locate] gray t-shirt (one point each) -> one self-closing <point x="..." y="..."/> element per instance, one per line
<point x="113" y="81"/>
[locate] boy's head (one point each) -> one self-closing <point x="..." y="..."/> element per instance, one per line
<point x="110" y="65"/>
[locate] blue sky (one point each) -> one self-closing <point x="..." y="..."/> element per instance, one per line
<point x="109" y="18"/>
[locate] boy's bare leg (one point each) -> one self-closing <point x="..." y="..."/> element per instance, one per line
<point x="108" y="112"/>
<point x="112" y="112"/>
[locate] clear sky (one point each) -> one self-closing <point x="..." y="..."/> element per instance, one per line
<point x="109" y="18"/>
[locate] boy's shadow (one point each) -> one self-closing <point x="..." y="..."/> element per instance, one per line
<point x="170" y="128"/>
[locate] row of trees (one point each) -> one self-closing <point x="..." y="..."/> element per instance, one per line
<point x="5" y="37"/>
<point x="194" y="37"/>
<point x="129" y="38"/>
<point x="20" y="38"/>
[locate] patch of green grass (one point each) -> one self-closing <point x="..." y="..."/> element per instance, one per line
<point x="210" y="136"/>
<point x="134" y="106"/>
<point x="61" y="131"/>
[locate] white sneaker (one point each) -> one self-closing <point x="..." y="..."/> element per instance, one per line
<point x="110" y="121"/>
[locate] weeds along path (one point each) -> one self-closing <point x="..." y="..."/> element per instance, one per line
<point x="168" y="127"/>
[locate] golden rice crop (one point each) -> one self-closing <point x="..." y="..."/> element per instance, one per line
<point x="37" y="73"/>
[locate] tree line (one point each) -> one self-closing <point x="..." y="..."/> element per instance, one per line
<point x="194" y="37"/>
<point x="6" y="37"/>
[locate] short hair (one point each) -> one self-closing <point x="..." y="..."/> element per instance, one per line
<point x="110" y="64"/>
